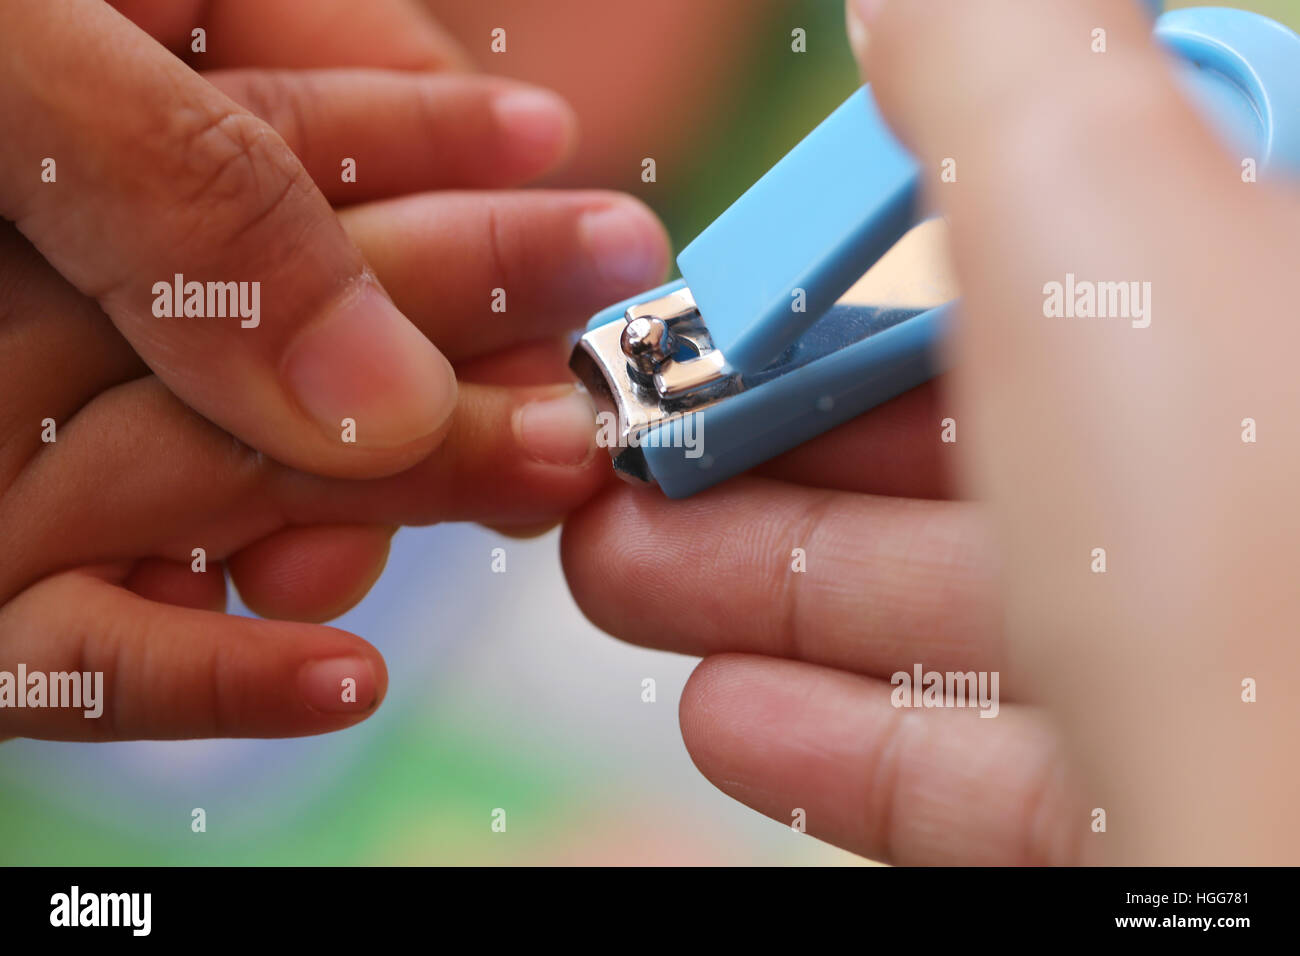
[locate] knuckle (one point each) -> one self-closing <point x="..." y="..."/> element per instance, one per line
<point x="223" y="707"/>
<point x="431" y="107"/>
<point x="1051" y="837"/>
<point x="277" y="98"/>
<point x="495" y="242"/>
<point x="790" y="603"/>
<point x="239" y="173"/>
<point x="883" y="815"/>
<point x="107" y="652"/>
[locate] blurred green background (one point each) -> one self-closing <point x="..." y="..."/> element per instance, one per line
<point x="502" y="696"/>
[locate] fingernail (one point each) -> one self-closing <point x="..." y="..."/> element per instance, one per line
<point x="537" y="120"/>
<point x="338" y="685"/>
<point x="626" y="243"/>
<point x="557" y="431"/>
<point x="867" y="10"/>
<point x="364" y="362"/>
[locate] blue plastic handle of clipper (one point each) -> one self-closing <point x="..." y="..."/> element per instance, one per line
<point x="1244" y="73"/>
<point x="775" y="261"/>
<point x="749" y="428"/>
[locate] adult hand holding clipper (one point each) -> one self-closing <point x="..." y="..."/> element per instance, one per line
<point x="1129" y="570"/>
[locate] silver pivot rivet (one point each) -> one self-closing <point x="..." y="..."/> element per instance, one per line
<point x="648" y="343"/>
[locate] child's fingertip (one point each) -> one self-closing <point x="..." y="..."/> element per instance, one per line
<point x="341" y="685"/>
<point x="626" y="243"/>
<point x="536" y="124"/>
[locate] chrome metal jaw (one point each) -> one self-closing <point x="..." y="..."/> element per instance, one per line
<point x="657" y="365"/>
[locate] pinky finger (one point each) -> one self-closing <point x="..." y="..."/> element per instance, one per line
<point x="162" y="672"/>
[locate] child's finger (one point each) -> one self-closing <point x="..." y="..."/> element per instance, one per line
<point x="368" y="134"/>
<point x="396" y="34"/>
<point x="511" y="456"/>
<point x="179" y="582"/>
<point x="864" y="583"/>
<point x="514" y="456"/>
<point x="512" y="267"/>
<point x="913" y="787"/>
<point x="312" y="573"/>
<point x="161" y="179"/>
<point x="168" y="672"/>
<point x="545" y="362"/>
<point x="534" y="243"/>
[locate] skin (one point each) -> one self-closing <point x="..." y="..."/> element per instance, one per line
<point x="565" y="43"/>
<point x="1120" y="691"/>
<point x="234" y="174"/>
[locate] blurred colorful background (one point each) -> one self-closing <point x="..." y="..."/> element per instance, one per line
<point x="501" y="694"/>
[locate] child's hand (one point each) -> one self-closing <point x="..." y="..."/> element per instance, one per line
<point x="101" y="525"/>
<point x="1172" y="448"/>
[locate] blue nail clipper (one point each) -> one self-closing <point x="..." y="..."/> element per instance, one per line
<point x="818" y="295"/>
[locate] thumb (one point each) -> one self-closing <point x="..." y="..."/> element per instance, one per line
<point x="1075" y="154"/>
<point x="1070" y="157"/>
<point x="207" y="244"/>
